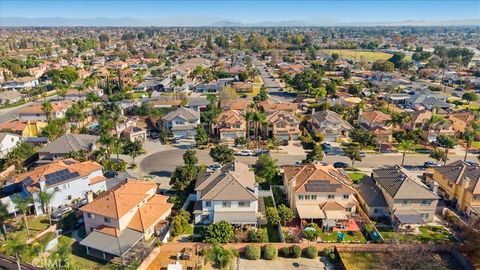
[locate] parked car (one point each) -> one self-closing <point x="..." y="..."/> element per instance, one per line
<point x="61" y="212"/>
<point x="363" y="154"/>
<point x="429" y="164"/>
<point x="340" y="164"/>
<point x="110" y="174"/>
<point x="214" y="167"/>
<point x="154" y="135"/>
<point x="246" y="153"/>
<point x="259" y="152"/>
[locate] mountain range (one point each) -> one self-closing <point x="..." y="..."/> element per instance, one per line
<point x="213" y="21"/>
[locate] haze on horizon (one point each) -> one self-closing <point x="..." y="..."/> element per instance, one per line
<point x="240" y="12"/>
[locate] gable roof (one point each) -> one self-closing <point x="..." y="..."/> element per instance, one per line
<point x="232" y="182"/>
<point x="317" y="178"/>
<point x="184" y="113"/>
<point x="326" y="116"/>
<point x="459" y="172"/>
<point x="70" y="143"/>
<point x="375" y="117"/>
<point x="400" y="184"/>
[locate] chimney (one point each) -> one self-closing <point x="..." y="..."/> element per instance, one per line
<point x="89" y="196"/>
<point x="434" y="187"/>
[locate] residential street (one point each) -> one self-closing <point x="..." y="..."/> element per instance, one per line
<point x="275" y="90"/>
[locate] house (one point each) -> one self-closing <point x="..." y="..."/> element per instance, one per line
<point x="330" y="124"/>
<point x="26" y="129"/>
<point x="459" y="183"/>
<point x="410" y="202"/>
<point x="319" y="193"/>
<point x="122" y="217"/>
<point x="123" y="123"/>
<point x="9" y="97"/>
<point x="34" y="112"/>
<point x="228" y="194"/>
<point x="428" y="100"/>
<point x="461" y="120"/>
<point x="230" y="125"/>
<point x="282" y="125"/>
<point x="67" y="180"/>
<point x="8" y="142"/>
<point x="267" y="106"/>
<point x="134" y="133"/>
<point x="440" y="128"/>
<point x="67" y="143"/>
<point x="149" y="85"/>
<point x="76" y="95"/>
<point x="198" y="104"/>
<point x="21" y="83"/>
<point x="182" y="122"/>
<point x="373" y="119"/>
<point x="371" y="199"/>
<point x="418" y="119"/>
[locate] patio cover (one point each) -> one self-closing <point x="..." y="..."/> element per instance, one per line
<point x="235" y="217"/>
<point x="408" y="216"/>
<point x="111" y="244"/>
<point x="310" y="211"/>
<point x="336" y="215"/>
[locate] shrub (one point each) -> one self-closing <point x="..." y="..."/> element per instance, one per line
<point x="284" y="252"/>
<point x="252" y="252"/>
<point x="257" y="236"/>
<point x="270" y="252"/>
<point x="331" y="257"/>
<point x="310" y="252"/>
<point x="296" y="251"/>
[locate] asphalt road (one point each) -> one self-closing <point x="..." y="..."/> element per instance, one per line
<point x="163" y="163"/>
<point x="274" y="89"/>
<point x="12" y="113"/>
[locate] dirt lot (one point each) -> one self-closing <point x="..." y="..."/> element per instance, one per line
<point x="282" y="264"/>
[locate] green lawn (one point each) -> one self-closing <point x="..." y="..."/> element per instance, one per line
<point x="268" y="202"/>
<point x="140" y="94"/>
<point x="476" y="144"/>
<point x="363" y="260"/>
<point x="348" y="237"/>
<point x="437" y="234"/>
<point x="356" y="176"/>
<point x="358" y="55"/>
<point x="79" y="258"/>
<point x="36" y="226"/>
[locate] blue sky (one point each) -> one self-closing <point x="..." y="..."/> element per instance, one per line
<point x="248" y="11"/>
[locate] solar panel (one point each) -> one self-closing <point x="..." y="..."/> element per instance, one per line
<point x="27" y="181"/>
<point x="60" y="176"/>
<point x="321" y="186"/>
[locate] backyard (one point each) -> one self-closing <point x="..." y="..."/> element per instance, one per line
<point x="35" y="224"/>
<point x="79" y="258"/>
<point x="272" y="230"/>
<point x="347" y="237"/>
<point x="356" y="176"/>
<point x="363" y="260"/>
<point x="436" y="234"/>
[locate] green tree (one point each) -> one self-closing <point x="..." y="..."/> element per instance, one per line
<point x="201" y="138"/>
<point x="47" y="108"/>
<point x="286" y="214"/>
<point x="316" y="154"/>
<point x="470" y="96"/>
<point x="438" y="155"/>
<point x="54" y="129"/>
<point x="180" y="223"/>
<point x="183" y="177"/>
<point x="406" y="146"/>
<point x="262" y="94"/>
<point x="311" y="232"/>
<point x="220" y="232"/>
<point x="362" y="136"/>
<point x="220" y="257"/>
<point x="266" y="168"/>
<point x="272" y="216"/>
<point x="331" y="88"/>
<point x="19" y="249"/>
<point x="190" y="158"/>
<point x="447" y="142"/>
<point x="4" y="216"/>
<point x="385" y="66"/>
<point x="133" y="149"/>
<point x="222" y="154"/>
<point x="22" y="204"/>
<point x="353" y="153"/>
<point x="470" y="134"/>
<point x="257" y="236"/>
<point x="45" y="198"/>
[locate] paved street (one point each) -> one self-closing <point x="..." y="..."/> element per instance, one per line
<point x="275" y="90"/>
<point x="12" y="113"/>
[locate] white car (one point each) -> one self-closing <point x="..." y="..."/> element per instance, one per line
<point x="214" y="167"/>
<point x="246" y="153"/>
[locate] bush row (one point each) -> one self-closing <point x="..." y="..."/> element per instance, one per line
<point x="270" y="252"/>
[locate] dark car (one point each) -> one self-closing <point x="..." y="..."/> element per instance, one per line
<point x="429" y="164"/>
<point x="339" y="165"/>
<point x="110" y="174"/>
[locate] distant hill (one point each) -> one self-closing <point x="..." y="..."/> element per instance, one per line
<point x="211" y="21"/>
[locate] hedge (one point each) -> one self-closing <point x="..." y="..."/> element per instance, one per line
<point x="252" y="252"/>
<point x="270" y="252"/>
<point x="296" y="251"/>
<point x="284" y="252"/>
<point x="310" y="252"/>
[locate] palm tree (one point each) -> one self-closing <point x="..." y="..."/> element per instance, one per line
<point x="45" y="198"/>
<point x="250" y="115"/>
<point x="259" y="118"/>
<point x="433" y="120"/>
<point x="406" y="146"/>
<point x="4" y="216"/>
<point x="23" y="205"/>
<point x="19" y="249"/>
<point x="470" y="135"/>
<point x="47" y="108"/>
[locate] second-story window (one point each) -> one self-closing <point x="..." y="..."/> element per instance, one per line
<point x="208" y="204"/>
<point x="243" y="204"/>
<point x="314" y="197"/>
<point x="226" y="204"/>
<point x="406" y="202"/>
<point x="345" y="196"/>
<point x="91" y="216"/>
<point x="107" y="220"/>
<point x="331" y="196"/>
<point x="426" y="202"/>
<point x="300" y="197"/>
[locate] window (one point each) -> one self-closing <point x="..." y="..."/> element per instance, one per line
<point x="349" y="209"/>
<point x="90" y="216"/>
<point x="300" y="197"/>
<point x="331" y="196"/>
<point x="107" y="220"/>
<point x="345" y="196"/>
<point x="406" y="202"/>
<point x="307" y="197"/>
<point x="425" y="216"/>
<point x="226" y="204"/>
<point x="56" y="189"/>
<point x="426" y="202"/>
<point x="69" y="197"/>
<point x="314" y="197"/>
<point x="376" y="211"/>
<point x="208" y="204"/>
<point x="243" y="204"/>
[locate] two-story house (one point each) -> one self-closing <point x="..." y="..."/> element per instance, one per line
<point x="408" y="202"/>
<point x="228" y="194"/>
<point x="35" y="112"/>
<point x="230" y="125"/>
<point x="331" y="125"/>
<point x="182" y="122"/>
<point x="282" y="125"/>
<point x="67" y="143"/>
<point x="67" y="180"/>
<point x="122" y="217"/>
<point x="319" y="193"/>
<point x="373" y="119"/>
<point x="459" y="182"/>
<point x="8" y="142"/>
